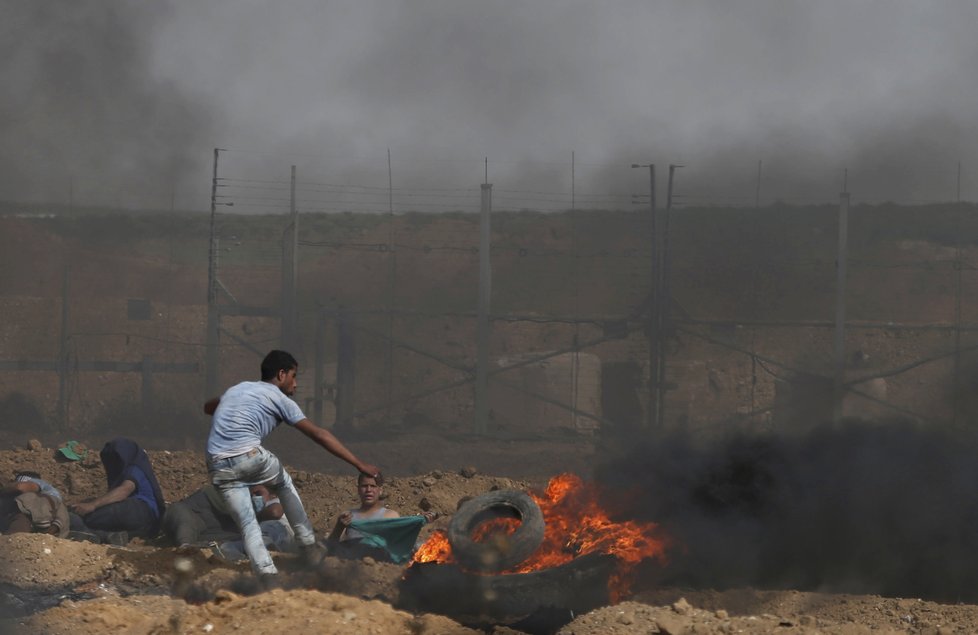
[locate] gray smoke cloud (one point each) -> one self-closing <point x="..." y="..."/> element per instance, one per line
<point x="129" y="100"/>
<point x="82" y="114"/>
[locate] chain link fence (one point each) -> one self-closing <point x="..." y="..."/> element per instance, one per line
<point x="110" y="327"/>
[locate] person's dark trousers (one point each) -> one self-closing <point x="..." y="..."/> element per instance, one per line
<point x="131" y="515"/>
<point x="193" y="520"/>
<point x="8" y="509"/>
<point x="76" y="523"/>
<point x="21" y="524"/>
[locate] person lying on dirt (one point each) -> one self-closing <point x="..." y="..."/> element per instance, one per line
<point x="133" y="505"/>
<point x="204" y="517"/>
<point x="242" y="417"/>
<point x="351" y="538"/>
<point x="31" y="504"/>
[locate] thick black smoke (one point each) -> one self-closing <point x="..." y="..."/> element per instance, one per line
<point x="123" y="102"/>
<point x="888" y="509"/>
<point x="83" y="116"/>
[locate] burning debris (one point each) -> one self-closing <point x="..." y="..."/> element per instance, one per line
<point x="583" y="559"/>
<point x="496" y="531"/>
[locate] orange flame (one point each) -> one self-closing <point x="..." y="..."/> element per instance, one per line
<point x="435" y="549"/>
<point x="576" y="524"/>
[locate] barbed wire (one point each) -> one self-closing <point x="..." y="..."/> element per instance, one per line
<point x="529" y="260"/>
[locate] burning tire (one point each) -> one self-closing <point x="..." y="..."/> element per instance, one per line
<point x="575" y="587"/>
<point x="496" y="555"/>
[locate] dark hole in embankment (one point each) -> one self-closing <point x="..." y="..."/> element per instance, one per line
<point x="20" y="602"/>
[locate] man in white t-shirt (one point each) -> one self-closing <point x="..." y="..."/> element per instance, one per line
<point x="242" y="417"/>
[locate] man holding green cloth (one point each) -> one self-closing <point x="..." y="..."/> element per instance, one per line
<point x="372" y="529"/>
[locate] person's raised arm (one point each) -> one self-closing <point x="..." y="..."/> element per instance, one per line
<point x="332" y="445"/>
<point x="342" y="522"/>
<point x="211" y="405"/>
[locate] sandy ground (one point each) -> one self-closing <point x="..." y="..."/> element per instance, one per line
<point x="50" y="585"/>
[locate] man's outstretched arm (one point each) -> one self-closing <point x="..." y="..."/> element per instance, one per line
<point x="332" y="445"/>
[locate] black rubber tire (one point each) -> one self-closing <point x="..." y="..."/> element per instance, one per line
<point x="493" y="556"/>
<point x="580" y="585"/>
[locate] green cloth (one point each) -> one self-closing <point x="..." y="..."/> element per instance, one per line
<point x="396" y="536"/>
<point x="73" y="451"/>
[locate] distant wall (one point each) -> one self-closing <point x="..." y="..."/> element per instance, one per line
<point x="754" y="299"/>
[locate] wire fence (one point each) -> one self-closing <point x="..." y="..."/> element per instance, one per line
<point x="386" y="279"/>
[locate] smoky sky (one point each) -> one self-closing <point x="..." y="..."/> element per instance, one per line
<point x="123" y="103"/>
<point x="861" y="508"/>
<point x="82" y="116"/>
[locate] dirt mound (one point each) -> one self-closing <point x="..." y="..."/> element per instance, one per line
<point x="181" y="472"/>
<point x="54" y="586"/>
<point x="274" y="612"/>
<point x="753" y="611"/>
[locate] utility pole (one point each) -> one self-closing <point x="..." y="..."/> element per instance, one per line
<point x="652" y="419"/>
<point x="576" y="360"/>
<point x="757" y="187"/>
<point x="63" y="354"/>
<point x="213" y="318"/>
<point x="391" y="285"/>
<point x="485" y="284"/>
<point x="958" y="197"/>
<point x="320" y="361"/>
<point x="957" y="319"/>
<point x="346" y="374"/>
<point x="664" y="296"/>
<point x="294" y="269"/>
<point x="290" y="268"/>
<point x="840" y="304"/>
<point x="572" y="180"/>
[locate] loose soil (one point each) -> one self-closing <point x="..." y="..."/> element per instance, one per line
<point x="50" y="585"/>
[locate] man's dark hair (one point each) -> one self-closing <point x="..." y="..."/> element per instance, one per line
<point x="276" y="361"/>
<point x="379" y="479"/>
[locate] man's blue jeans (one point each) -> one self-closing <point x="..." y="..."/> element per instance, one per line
<point x="234" y="476"/>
